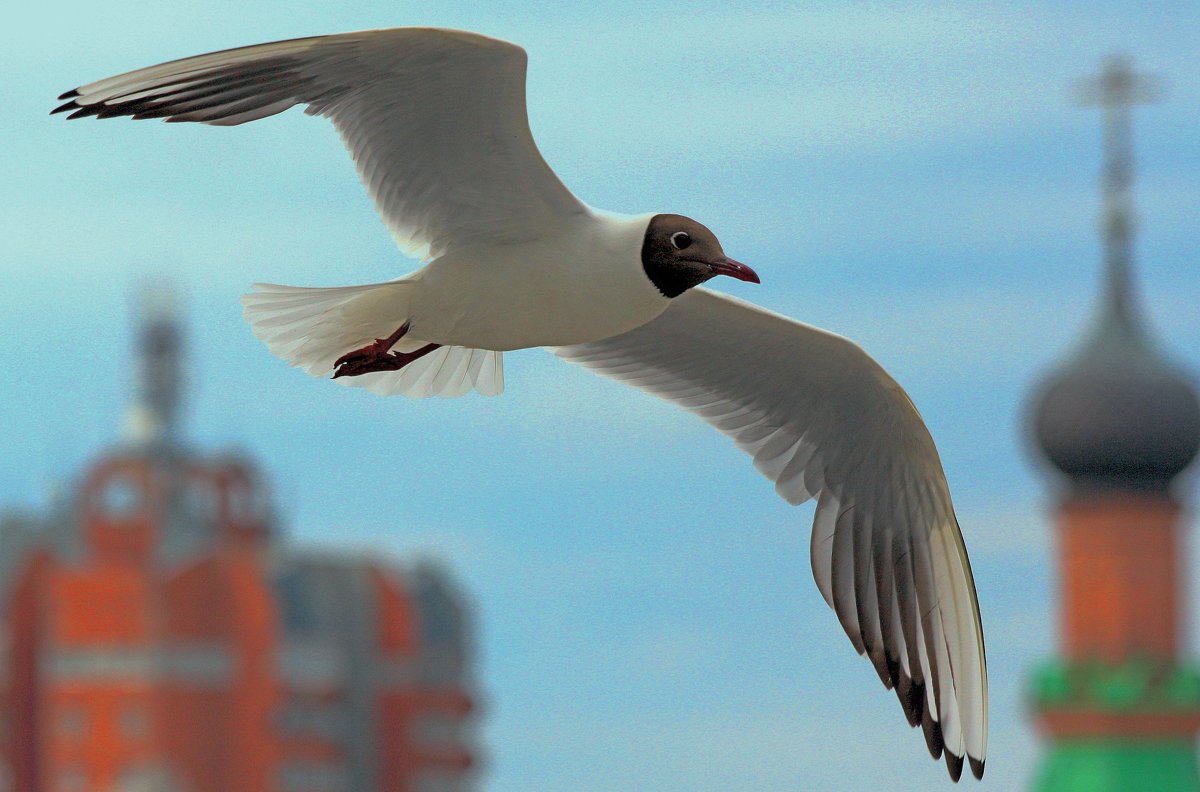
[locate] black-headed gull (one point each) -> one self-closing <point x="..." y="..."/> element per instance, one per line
<point x="436" y="123"/>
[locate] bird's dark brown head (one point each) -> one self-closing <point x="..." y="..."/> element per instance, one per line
<point x="679" y="253"/>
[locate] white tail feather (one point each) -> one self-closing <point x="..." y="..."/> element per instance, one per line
<point x="311" y="328"/>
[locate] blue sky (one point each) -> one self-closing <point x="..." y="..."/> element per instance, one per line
<point x="912" y="176"/>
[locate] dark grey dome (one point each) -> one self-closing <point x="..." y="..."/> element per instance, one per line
<point x="1118" y="414"/>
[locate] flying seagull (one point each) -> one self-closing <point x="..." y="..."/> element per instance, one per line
<point x="436" y="123"/>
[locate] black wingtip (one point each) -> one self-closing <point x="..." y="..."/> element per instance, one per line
<point x="976" y="767"/>
<point x="894" y="671"/>
<point x="911" y="694"/>
<point x="85" y="111"/>
<point x="885" y="668"/>
<point x="62" y="108"/>
<point x="955" y="765"/>
<point x="71" y="94"/>
<point x="933" y="733"/>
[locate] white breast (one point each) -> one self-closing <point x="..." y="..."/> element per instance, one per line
<point x="582" y="283"/>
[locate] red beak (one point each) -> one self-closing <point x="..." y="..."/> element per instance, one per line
<point x="735" y="269"/>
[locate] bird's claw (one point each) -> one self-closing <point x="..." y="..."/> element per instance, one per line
<point x="359" y="362"/>
<point x="372" y="351"/>
<point x="375" y="356"/>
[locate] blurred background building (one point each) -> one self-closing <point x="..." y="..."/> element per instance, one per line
<point x="160" y="634"/>
<point x="1120" y="708"/>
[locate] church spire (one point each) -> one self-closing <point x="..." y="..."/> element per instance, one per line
<point x="152" y="417"/>
<point x="1116" y="90"/>
<point x="1117" y="414"/>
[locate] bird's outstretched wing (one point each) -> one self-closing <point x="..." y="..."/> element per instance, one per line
<point x="822" y="419"/>
<point x="435" y="120"/>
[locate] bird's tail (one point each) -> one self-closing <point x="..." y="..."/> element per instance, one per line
<point x="311" y="328"/>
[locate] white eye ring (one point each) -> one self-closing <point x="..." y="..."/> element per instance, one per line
<point x="681" y="240"/>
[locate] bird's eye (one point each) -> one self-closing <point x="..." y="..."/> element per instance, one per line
<point x="681" y="240"/>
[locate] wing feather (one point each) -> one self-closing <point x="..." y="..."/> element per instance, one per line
<point x="821" y="419"/>
<point x="434" y="119"/>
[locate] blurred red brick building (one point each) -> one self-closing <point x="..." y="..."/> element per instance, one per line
<point x="160" y="636"/>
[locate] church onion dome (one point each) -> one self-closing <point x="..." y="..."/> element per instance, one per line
<point x="1118" y="415"/>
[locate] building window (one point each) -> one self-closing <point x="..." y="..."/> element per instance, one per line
<point x="322" y="721"/>
<point x="149" y="778"/>
<point x="301" y="776"/>
<point x="121" y="497"/>
<point x="134" y="723"/>
<point x="440" y="781"/>
<point x="72" y="723"/>
<point x="246" y="502"/>
<point x="200" y="502"/>
<point x="72" y="779"/>
<point x="439" y="730"/>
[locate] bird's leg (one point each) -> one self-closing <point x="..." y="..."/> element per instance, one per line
<point x="373" y="350"/>
<point x="377" y="356"/>
<point x="386" y="361"/>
